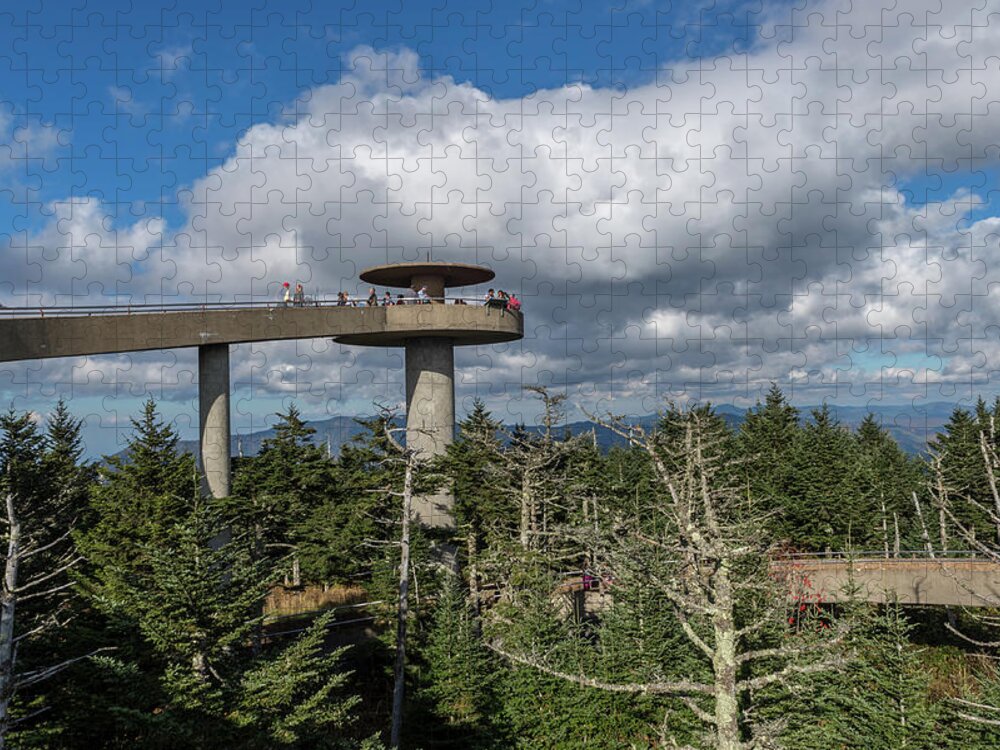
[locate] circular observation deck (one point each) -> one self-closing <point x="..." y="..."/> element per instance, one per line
<point x="463" y="325"/>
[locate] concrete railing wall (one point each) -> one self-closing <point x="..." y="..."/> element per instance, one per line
<point x="942" y="581"/>
<point x="81" y="335"/>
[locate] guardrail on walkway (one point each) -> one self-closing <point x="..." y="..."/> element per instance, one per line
<point x="167" y="307"/>
<point x="880" y="554"/>
<point x="959" y="578"/>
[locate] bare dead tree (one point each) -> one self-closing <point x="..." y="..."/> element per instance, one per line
<point x="923" y="527"/>
<point x="530" y="470"/>
<point x="702" y="552"/>
<point x="399" y="681"/>
<point x="25" y="583"/>
<point x="410" y="461"/>
<point x="955" y="509"/>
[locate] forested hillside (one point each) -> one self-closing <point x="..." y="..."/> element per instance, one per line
<point x="587" y="597"/>
<point x="910" y="426"/>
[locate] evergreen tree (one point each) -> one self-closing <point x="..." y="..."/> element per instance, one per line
<point x="182" y="595"/>
<point x="885" y="479"/>
<point x="823" y="509"/>
<point x="963" y="471"/>
<point x="767" y="438"/>
<point x="198" y="606"/>
<point x="337" y="535"/>
<point x="455" y="697"/>
<point x="297" y="697"/>
<point x="277" y="490"/>
<point x="139" y="496"/>
<point x="42" y="486"/>
<point x="879" y="701"/>
<point x="472" y="462"/>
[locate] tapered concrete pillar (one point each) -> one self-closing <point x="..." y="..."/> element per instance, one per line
<point x="213" y="401"/>
<point x="430" y="416"/>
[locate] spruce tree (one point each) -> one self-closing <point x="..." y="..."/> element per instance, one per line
<point x="472" y="462"/>
<point x="879" y="701"/>
<point x="767" y="439"/>
<point x="141" y="493"/>
<point x="455" y="701"/>
<point x="823" y="509"/>
<point x="339" y="535"/>
<point x="276" y="491"/>
<point x="963" y="472"/>
<point x="885" y="479"/>
<point x="182" y="591"/>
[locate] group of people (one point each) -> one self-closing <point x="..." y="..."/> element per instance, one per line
<point x="288" y="297"/>
<point x="498" y="300"/>
<point x="420" y="297"/>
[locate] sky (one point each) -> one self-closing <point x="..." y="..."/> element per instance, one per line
<point x="693" y="201"/>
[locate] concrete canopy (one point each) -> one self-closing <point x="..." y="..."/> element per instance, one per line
<point x="407" y="274"/>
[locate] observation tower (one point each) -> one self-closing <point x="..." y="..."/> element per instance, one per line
<point x="430" y="332"/>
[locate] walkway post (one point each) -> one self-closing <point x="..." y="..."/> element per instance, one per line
<point x="430" y="356"/>
<point x="213" y="403"/>
<point x="430" y="417"/>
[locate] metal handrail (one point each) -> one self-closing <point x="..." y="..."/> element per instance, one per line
<point x="860" y="555"/>
<point x="194" y="306"/>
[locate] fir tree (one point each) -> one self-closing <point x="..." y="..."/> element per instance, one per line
<point x="141" y="494"/>
<point x="767" y="441"/>
<point x="962" y="471"/>
<point x="457" y="686"/>
<point x="472" y="463"/>
<point x="278" y="489"/>
<point x="822" y="509"/>
<point x="885" y="479"/>
<point x="879" y="701"/>
<point x="336" y="535"/>
<point x="184" y="593"/>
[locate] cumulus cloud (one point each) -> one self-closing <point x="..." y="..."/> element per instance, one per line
<point x="734" y="221"/>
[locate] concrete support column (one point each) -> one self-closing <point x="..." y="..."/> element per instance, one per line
<point x="213" y="402"/>
<point x="430" y="415"/>
<point x="433" y="282"/>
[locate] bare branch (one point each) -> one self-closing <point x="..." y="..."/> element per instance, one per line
<point x="973" y="641"/>
<point x="980" y="706"/>
<point x="692" y="636"/>
<point x="47" y="577"/>
<point x="698" y="711"/>
<point x="39" y="675"/>
<point x="47" y="592"/>
<point x="35" y="550"/>
<point x="681" y="687"/>
<point x="789" y="671"/>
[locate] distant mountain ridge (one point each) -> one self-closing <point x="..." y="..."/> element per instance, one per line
<point x="911" y="428"/>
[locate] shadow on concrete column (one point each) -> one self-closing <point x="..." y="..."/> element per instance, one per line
<point x="213" y="402"/>
<point x="430" y="416"/>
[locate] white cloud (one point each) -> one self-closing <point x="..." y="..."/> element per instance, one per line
<point x="734" y="221"/>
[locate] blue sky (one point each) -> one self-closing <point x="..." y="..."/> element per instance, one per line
<point x="142" y="100"/>
<point x="693" y="199"/>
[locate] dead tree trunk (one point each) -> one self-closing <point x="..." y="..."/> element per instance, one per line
<point x="399" y="683"/>
<point x="704" y="561"/>
<point x="923" y="527"/>
<point x="527" y="505"/>
<point x="885" y="529"/>
<point x="8" y="603"/>
<point x="989" y="461"/>
<point x="473" y="572"/>
<point x="895" y="526"/>
<point x="725" y="663"/>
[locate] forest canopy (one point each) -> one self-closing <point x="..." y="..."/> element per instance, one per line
<point x="584" y="597"/>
